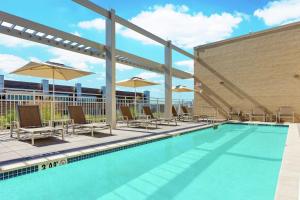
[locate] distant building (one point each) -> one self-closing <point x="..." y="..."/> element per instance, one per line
<point x="44" y="88"/>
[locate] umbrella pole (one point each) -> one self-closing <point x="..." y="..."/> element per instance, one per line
<point x="53" y="96"/>
<point x="135" y="102"/>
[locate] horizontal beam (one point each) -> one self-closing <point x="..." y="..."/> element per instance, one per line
<point x="45" y="29"/>
<point x="179" y="50"/>
<point x="45" y="41"/>
<point x="39" y="33"/>
<point x="153" y="66"/>
<point x="94" y="7"/>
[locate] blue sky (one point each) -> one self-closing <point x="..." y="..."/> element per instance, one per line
<point x="186" y="23"/>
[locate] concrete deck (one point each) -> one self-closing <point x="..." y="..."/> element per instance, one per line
<point x="288" y="182"/>
<point x="12" y="150"/>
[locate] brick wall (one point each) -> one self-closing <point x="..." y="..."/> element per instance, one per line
<point x="257" y="70"/>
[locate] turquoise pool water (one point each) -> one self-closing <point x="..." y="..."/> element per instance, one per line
<point x="233" y="162"/>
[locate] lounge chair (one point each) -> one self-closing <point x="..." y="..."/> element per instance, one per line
<point x="180" y="117"/>
<point x="30" y="121"/>
<point x="237" y="112"/>
<point x="130" y="120"/>
<point x="286" y="112"/>
<point x="79" y="121"/>
<point x="258" y="112"/>
<point x="188" y="115"/>
<point x="175" y="114"/>
<point x="206" y="118"/>
<point x="149" y="114"/>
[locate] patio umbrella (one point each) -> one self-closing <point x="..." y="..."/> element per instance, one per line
<point x="135" y="82"/>
<point x="181" y="88"/>
<point x="52" y="71"/>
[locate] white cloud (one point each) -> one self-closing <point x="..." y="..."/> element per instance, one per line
<point x="187" y="64"/>
<point x="9" y="62"/>
<point x="73" y="59"/>
<point x="76" y="33"/>
<point x="149" y="75"/>
<point x="97" y="23"/>
<point x="177" y="24"/>
<point x="184" y="29"/>
<point x="34" y="59"/>
<point x="9" y="41"/>
<point x="279" y="12"/>
<point x="123" y="67"/>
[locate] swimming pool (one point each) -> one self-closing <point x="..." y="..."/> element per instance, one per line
<point x="232" y="162"/>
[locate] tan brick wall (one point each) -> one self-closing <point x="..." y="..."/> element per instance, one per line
<point x="262" y="70"/>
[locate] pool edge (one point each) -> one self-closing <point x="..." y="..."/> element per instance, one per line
<point x="42" y="163"/>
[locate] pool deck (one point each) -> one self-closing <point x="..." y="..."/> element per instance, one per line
<point x="288" y="182"/>
<point x="14" y="152"/>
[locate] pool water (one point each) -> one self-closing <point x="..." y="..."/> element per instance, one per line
<point x="232" y="162"/>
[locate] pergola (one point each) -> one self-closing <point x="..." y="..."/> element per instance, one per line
<point x="22" y="28"/>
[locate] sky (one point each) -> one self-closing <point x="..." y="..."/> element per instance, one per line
<point x="186" y="23"/>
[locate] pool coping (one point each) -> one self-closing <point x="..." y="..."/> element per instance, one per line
<point x="288" y="185"/>
<point x="43" y="162"/>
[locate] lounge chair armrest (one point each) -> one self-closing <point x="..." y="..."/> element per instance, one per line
<point x="49" y="123"/>
<point x="144" y="116"/>
<point x="148" y="117"/>
<point x="125" y="118"/>
<point x="14" y="124"/>
<point x="69" y="121"/>
<point x="89" y="121"/>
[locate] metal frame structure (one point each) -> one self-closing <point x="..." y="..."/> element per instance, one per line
<point x="25" y="29"/>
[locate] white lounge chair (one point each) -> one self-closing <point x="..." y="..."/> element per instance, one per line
<point x="258" y="112"/>
<point x="286" y="112"/>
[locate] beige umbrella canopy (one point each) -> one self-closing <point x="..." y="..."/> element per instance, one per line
<point x="136" y="82"/>
<point x="181" y="88"/>
<point x="50" y="70"/>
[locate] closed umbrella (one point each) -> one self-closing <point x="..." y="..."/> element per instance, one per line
<point x="136" y="82"/>
<point x="50" y="70"/>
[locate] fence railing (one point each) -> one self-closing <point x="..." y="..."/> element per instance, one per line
<point x="93" y="105"/>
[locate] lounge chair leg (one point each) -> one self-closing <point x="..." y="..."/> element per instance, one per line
<point x="32" y="139"/>
<point x="62" y="134"/>
<point x="92" y="131"/>
<point x="67" y="129"/>
<point x="18" y="134"/>
<point x="11" y="130"/>
<point x="293" y="119"/>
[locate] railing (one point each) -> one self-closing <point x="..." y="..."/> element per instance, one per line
<point x="94" y="105"/>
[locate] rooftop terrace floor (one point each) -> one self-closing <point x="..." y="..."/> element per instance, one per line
<point x="12" y="150"/>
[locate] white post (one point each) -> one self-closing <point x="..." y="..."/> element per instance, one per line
<point x="168" y="80"/>
<point x="110" y="70"/>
